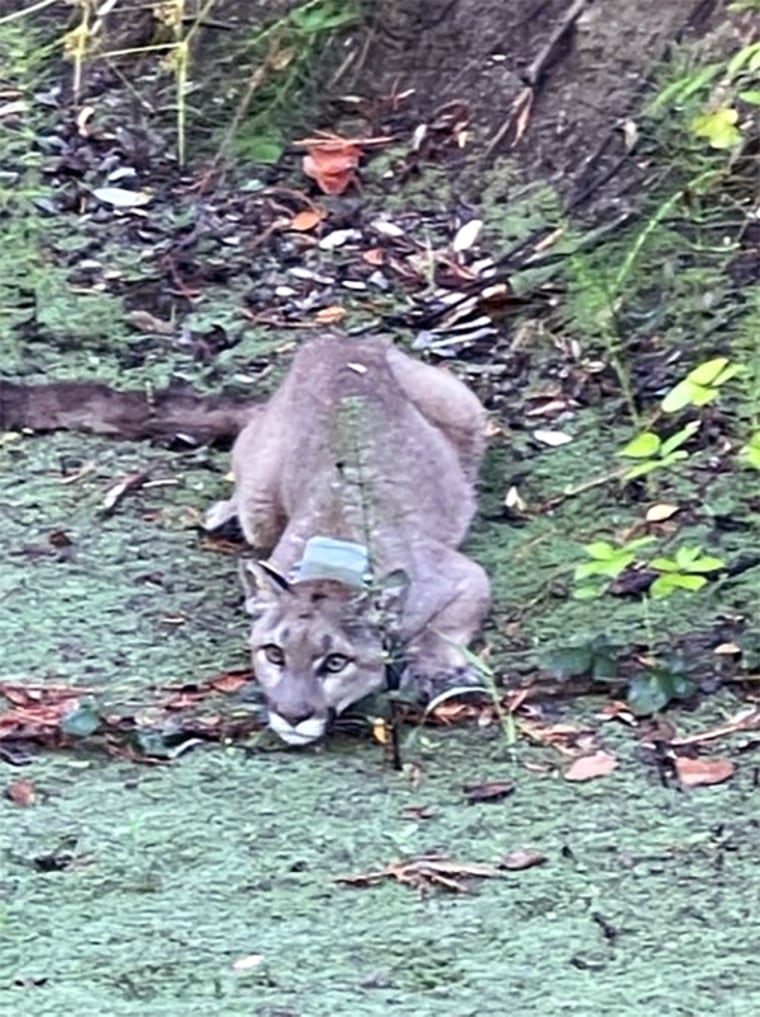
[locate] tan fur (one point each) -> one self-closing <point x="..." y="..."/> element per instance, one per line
<point x="363" y="443"/>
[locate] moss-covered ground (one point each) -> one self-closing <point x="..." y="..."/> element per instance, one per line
<point x="207" y="884"/>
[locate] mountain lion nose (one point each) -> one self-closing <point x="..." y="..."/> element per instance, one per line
<point x="295" y="718"/>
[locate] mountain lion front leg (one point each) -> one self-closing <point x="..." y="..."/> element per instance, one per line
<point x="257" y="462"/>
<point x="435" y="656"/>
<point x="446" y="403"/>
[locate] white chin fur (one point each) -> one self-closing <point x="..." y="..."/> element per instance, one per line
<point x="302" y="734"/>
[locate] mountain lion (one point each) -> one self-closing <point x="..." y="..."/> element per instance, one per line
<point x="356" y="478"/>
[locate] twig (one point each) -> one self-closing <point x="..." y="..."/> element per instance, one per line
<point x="747" y="722"/>
<point x="522" y="104"/>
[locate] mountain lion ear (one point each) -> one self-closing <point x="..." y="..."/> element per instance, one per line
<point x="391" y="591"/>
<point x="385" y="598"/>
<point x="262" y="584"/>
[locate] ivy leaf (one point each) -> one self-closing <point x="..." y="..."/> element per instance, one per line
<point x="571" y="661"/>
<point x="651" y="691"/>
<point x="646" y="695"/>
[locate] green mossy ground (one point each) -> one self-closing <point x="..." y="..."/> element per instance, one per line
<point x="648" y="900"/>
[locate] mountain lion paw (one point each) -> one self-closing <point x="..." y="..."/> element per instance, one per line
<point x="428" y="683"/>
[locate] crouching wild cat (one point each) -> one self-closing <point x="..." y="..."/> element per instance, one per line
<point x="357" y="480"/>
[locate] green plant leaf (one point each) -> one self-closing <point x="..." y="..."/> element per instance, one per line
<point x="653" y="690"/>
<point x="646" y="695"/>
<point x="571" y="661"/>
<point x="679" y="397"/>
<point x="638" y="542"/>
<point x="611" y="568"/>
<point x="750" y="453"/>
<point x="742" y="59"/>
<point x="707" y="564"/>
<point x="588" y="592"/>
<point x="642" y="469"/>
<point x="643" y="446"/>
<point x="263" y="148"/>
<point x="604" y="665"/>
<point x="752" y="96"/>
<point x="664" y="565"/>
<point x="601" y="550"/>
<point x="726" y="375"/>
<point x="686" y="554"/>
<point x="718" y="127"/>
<point x="705" y="374"/>
<point x="318" y="19"/>
<point x="677" y="439"/>
<point x="683" y="88"/>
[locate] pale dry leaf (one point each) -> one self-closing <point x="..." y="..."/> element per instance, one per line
<point x="660" y="512"/>
<point x="122" y="197"/>
<point x="703" y="770"/>
<point x="467" y="236"/>
<point x="727" y="649"/>
<point x="248" y="962"/>
<point x="598" y="764"/>
<point x="521" y="859"/>
<point x="552" y="438"/>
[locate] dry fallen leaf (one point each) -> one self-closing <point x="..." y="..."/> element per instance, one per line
<point x="599" y="764"/>
<point x="306" y="220"/>
<point x="332" y="163"/>
<point x="727" y="649"/>
<point x="21" y="792"/>
<point x="248" y="962"/>
<point x="122" y="197"/>
<point x="330" y="315"/>
<point x="417" y="812"/>
<point x="493" y="791"/>
<point x="660" y="512"/>
<point x="703" y="770"/>
<point x="424" y="873"/>
<point x="517" y="860"/>
<point x="375" y="256"/>
<point x="552" y="438"/>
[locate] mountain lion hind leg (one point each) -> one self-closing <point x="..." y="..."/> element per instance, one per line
<point x="446" y="403"/>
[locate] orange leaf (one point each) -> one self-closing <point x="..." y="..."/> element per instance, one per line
<point x="330" y="315"/>
<point x="374" y="256"/>
<point x="694" y="772"/>
<point x="306" y="220"/>
<point x="599" y="764"/>
<point x="332" y="162"/>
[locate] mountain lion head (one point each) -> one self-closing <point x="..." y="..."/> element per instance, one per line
<point x="317" y="645"/>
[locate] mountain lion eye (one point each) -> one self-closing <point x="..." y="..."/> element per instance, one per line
<point x="334" y="663"/>
<point x="274" y="654"/>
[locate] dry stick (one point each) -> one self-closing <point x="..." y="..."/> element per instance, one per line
<point x="748" y="722"/>
<point x="535" y="73"/>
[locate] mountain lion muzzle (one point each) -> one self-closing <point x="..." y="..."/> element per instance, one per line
<point x="362" y="451"/>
